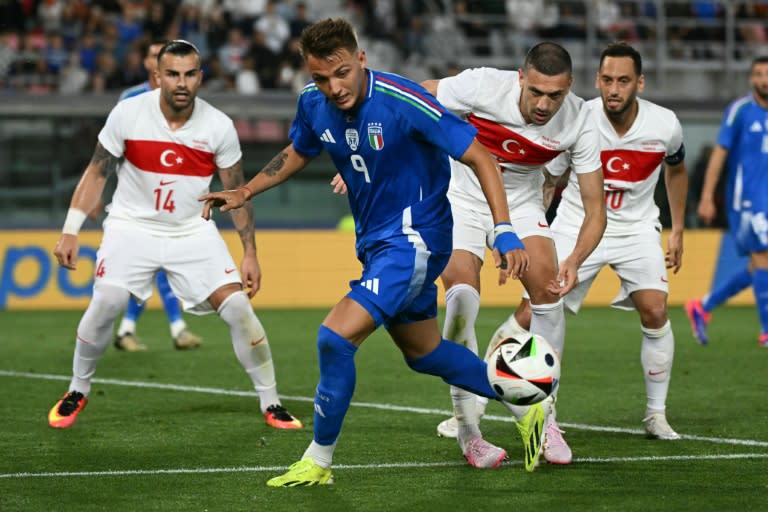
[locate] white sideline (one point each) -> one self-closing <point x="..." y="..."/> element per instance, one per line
<point x="391" y="465"/>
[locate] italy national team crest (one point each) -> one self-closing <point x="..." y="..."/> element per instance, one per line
<point x="376" y="136"/>
<point x="353" y="138"/>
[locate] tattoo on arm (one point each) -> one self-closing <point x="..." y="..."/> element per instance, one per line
<point x="276" y="164"/>
<point x="232" y="177"/>
<point x="106" y="162"/>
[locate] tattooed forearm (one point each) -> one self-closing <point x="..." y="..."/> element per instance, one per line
<point x="105" y="161"/>
<point x="232" y="177"/>
<point x="276" y="164"/>
<point x="242" y="219"/>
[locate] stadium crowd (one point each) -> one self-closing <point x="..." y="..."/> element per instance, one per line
<point x="76" y="46"/>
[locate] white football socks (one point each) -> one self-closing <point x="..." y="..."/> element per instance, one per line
<point x="251" y="346"/>
<point x="462" y="304"/>
<point x="94" y="333"/>
<point x="656" y="355"/>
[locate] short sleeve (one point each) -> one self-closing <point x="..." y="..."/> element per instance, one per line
<point x="456" y="93"/>
<point x="301" y="134"/>
<point x="111" y="136"/>
<point x="228" y="153"/>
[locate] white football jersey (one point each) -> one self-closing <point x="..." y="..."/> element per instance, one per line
<point x="164" y="171"/>
<point x="631" y="168"/>
<point x="489" y="99"/>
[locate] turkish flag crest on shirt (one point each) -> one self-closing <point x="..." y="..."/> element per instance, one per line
<point x="629" y="165"/>
<point x="509" y="146"/>
<point x="163" y="157"/>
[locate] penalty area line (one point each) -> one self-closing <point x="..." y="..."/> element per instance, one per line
<point x="358" y="467"/>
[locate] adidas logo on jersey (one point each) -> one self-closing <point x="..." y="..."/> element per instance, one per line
<point x="371" y="284"/>
<point x="756" y="127"/>
<point x="327" y="137"/>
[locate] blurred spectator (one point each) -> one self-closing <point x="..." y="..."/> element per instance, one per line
<point x="231" y="53"/>
<point x="246" y="79"/>
<point x="72" y="23"/>
<point x="87" y="52"/>
<point x="132" y="70"/>
<point x="190" y="28"/>
<point x="107" y="74"/>
<point x="216" y="26"/>
<point x="414" y="39"/>
<point x="265" y="60"/>
<point x="292" y="73"/>
<point x="527" y="17"/>
<point x="9" y="44"/>
<point x="94" y="22"/>
<point x="706" y="29"/>
<point x="274" y="27"/>
<point x="611" y="23"/>
<point x="570" y="22"/>
<point x="158" y="19"/>
<point x="214" y="77"/>
<point x="73" y="79"/>
<point x="300" y="20"/>
<point x="472" y="27"/>
<point x="753" y="17"/>
<point x="244" y="13"/>
<point x="128" y="27"/>
<point x="56" y="55"/>
<point x="49" y="13"/>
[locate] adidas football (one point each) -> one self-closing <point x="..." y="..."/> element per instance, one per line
<point x="524" y="370"/>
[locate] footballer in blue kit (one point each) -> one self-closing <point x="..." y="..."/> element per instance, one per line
<point x="744" y="134"/>
<point x="742" y="143"/>
<point x="403" y="219"/>
<point x="390" y="140"/>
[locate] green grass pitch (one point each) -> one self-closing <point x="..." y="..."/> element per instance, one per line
<point x="171" y="431"/>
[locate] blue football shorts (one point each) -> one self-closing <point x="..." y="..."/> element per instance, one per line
<point x="398" y="281"/>
<point x="750" y="231"/>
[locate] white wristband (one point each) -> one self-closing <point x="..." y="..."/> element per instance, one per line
<point x="73" y="222"/>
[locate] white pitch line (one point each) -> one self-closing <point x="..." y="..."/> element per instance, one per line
<point x="391" y="465"/>
<point x="368" y="405"/>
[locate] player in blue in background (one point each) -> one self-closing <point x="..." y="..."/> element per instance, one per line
<point x="390" y="140"/>
<point x="125" y="338"/>
<point x="742" y="145"/>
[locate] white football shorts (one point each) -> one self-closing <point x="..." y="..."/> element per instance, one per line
<point x="473" y="223"/>
<point x="638" y="261"/>
<point x="196" y="265"/>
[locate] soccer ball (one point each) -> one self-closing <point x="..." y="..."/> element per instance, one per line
<point x="524" y="370"/>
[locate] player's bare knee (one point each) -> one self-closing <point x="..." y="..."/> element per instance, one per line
<point x="217" y="298"/>
<point x="653" y="316"/>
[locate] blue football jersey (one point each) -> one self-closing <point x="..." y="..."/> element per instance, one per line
<point x="135" y="91"/>
<point x="392" y="151"/>
<point x="744" y="133"/>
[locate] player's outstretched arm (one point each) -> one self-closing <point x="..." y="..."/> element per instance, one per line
<point x="282" y="166"/>
<point x="676" y="180"/>
<point x="590" y="233"/>
<point x="85" y="199"/>
<point x="508" y="251"/>
<point x="706" y="208"/>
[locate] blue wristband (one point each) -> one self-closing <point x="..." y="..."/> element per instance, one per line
<point x="505" y="239"/>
